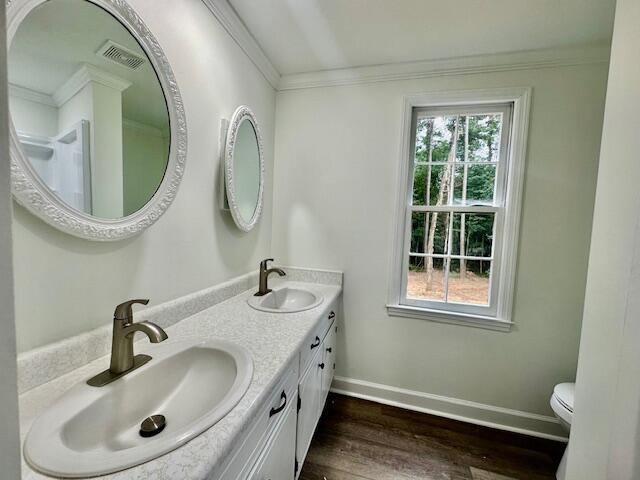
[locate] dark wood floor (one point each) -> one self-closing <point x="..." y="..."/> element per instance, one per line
<point x="361" y="440"/>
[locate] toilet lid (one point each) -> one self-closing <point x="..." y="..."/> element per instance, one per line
<point x="564" y="392"/>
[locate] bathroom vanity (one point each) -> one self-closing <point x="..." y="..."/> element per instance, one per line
<point x="268" y="433"/>
<point x="281" y="434"/>
<point x="234" y="384"/>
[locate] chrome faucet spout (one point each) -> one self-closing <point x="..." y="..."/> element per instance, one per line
<point x="276" y="270"/>
<point x="155" y="333"/>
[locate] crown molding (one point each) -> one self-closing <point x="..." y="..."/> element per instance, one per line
<point x="31" y="95"/>
<point x="235" y="27"/>
<point x="85" y="74"/>
<point x="502" y="62"/>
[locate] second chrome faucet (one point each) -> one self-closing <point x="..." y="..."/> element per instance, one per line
<point x="263" y="287"/>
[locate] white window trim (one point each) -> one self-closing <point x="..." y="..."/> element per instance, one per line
<point x="521" y="99"/>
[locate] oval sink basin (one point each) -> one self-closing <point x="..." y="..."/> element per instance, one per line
<point x="93" y="431"/>
<point x="286" y="300"/>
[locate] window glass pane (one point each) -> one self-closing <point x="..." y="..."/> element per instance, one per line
<point x="419" y="228"/>
<point x="481" y="184"/>
<point x="440" y="184"/>
<point x="484" y="137"/>
<point x="469" y="281"/>
<point x="474" y="184"/>
<point x="430" y="232"/>
<point x="461" y="146"/>
<point x="437" y="180"/>
<point x="434" y="138"/>
<point x="426" y="279"/>
<point x="446" y="133"/>
<point x="421" y="188"/>
<point x="459" y="185"/>
<point x="476" y="238"/>
<point x="431" y="185"/>
<point x="424" y="137"/>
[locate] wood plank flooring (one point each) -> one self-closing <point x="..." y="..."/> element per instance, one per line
<point x="361" y="440"/>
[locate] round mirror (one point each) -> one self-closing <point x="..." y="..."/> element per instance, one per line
<point x="244" y="169"/>
<point x="99" y="138"/>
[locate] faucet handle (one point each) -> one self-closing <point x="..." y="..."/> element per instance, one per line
<point x="124" y="311"/>
<point x="263" y="263"/>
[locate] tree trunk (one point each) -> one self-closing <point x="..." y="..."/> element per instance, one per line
<point x="490" y="147"/>
<point x="463" y="262"/>
<point x="427" y="200"/>
<point x="443" y="193"/>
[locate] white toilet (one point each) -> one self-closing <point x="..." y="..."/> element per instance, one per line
<point x="562" y="405"/>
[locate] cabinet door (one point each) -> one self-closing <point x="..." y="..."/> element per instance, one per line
<point x="309" y="394"/>
<point x="278" y="460"/>
<point x="329" y="353"/>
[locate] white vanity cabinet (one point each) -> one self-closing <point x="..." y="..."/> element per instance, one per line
<point x="317" y="374"/>
<point x="277" y="441"/>
<point x="277" y="462"/>
<point x="329" y="361"/>
<point x="309" y="407"/>
<point x="257" y="446"/>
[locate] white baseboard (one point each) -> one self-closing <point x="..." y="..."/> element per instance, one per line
<point x="533" y="424"/>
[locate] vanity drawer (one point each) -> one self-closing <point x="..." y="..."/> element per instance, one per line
<point x="263" y="425"/>
<point x="313" y="342"/>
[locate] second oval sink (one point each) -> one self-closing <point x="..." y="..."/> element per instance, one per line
<point x="286" y="300"/>
<point x="92" y="431"/>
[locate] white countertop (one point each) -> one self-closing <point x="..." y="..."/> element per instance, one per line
<point x="273" y="340"/>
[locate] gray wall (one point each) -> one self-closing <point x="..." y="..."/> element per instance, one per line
<point x="65" y="285"/>
<point x="9" y="434"/>
<point x="337" y="150"/>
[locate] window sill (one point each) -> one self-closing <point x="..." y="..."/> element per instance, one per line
<point x="477" y="321"/>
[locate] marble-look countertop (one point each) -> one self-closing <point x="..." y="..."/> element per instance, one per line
<point x="273" y="340"/>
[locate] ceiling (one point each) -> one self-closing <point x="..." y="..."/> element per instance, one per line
<point x="56" y="38"/>
<point x="311" y="35"/>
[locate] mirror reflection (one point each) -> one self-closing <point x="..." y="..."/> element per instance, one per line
<point x="246" y="170"/>
<point x="88" y="108"/>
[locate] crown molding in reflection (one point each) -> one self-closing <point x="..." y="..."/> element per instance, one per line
<point x="236" y="28"/>
<point x="86" y="74"/>
<point x="144" y="128"/>
<point x="18" y="91"/>
<point x="502" y="62"/>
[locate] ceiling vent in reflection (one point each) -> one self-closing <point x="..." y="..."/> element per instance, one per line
<point x="119" y="54"/>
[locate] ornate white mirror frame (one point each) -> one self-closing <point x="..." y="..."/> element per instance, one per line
<point x="34" y="195"/>
<point x="241" y="114"/>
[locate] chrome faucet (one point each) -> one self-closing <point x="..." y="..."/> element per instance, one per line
<point x="122" y="359"/>
<point x="263" y="288"/>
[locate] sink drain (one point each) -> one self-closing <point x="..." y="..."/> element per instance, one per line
<point x="152" y="425"/>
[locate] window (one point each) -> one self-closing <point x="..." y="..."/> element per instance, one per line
<point x="459" y="215"/>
